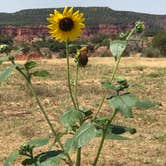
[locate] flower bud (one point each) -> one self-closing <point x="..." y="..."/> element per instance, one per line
<point x="82" y="57"/>
<point x="139" y="25"/>
<point x="3" y="48"/>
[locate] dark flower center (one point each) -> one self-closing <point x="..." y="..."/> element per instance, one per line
<point x="66" y="24"/>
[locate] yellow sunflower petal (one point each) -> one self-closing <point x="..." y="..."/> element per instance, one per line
<point x="70" y="11"/>
<point x="65" y="11"/>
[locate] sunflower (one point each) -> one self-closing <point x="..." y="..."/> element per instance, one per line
<point x="81" y="57"/>
<point x="66" y="26"/>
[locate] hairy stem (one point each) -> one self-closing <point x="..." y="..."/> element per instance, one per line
<point x="76" y="87"/>
<point x="103" y="137"/>
<point x="105" y="93"/>
<point x="78" y="158"/>
<point x="68" y="76"/>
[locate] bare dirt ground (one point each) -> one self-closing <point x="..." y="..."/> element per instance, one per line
<point x="22" y="121"/>
<point x="129" y="61"/>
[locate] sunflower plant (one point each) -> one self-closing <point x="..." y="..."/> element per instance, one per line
<point x="80" y="125"/>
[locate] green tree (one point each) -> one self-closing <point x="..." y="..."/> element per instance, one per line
<point x="159" y="42"/>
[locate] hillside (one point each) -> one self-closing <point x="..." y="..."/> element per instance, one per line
<point x="94" y="16"/>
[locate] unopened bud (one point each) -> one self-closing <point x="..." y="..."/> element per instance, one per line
<point x="3" y="48"/>
<point x="139" y="25"/>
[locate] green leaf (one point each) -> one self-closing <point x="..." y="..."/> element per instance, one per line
<point x="123" y="103"/>
<point x="145" y="104"/>
<point x="6" y="72"/>
<point x="38" y="142"/>
<point x="70" y="145"/>
<point x="86" y="112"/>
<point x="73" y="45"/>
<point x="108" y="85"/>
<point x="41" y="73"/>
<point x="3" y="58"/>
<point x="117" y="48"/>
<point x="110" y="135"/>
<point x="29" y="162"/>
<point x="116" y="129"/>
<point x="11" y="158"/>
<point x="84" y="134"/>
<point x="70" y="117"/>
<point x="50" y="158"/>
<point x="30" y="65"/>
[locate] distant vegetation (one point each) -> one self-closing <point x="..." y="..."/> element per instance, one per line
<point x="94" y="16"/>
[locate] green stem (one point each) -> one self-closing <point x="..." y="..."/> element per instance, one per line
<point x="78" y="158"/>
<point x="68" y="76"/>
<point x="103" y="137"/>
<point x="131" y="33"/>
<point x="42" y="109"/>
<point x="105" y="93"/>
<point x="76" y="86"/>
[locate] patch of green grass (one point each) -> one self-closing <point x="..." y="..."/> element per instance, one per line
<point x="161" y="137"/>
<point x="157" y="73"/>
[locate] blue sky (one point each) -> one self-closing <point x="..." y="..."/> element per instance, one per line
<point x="145" y="6"/>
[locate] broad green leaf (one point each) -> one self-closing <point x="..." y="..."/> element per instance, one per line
<point x="108" y="85"/>
<point x="30" y="65"/>
<point x="70" y="145"/>
<point x="50" y="158"/>
<point x="38" y="142"/>
<point x="145" y="104"/>
<point x="117" y="48"/>
<point x="84" y="134"/>
<point x="41" y="73"/>
<point x="4" y="74"/>
<point x="11" y="158"/>
<point x="116" y="129"/>
<point x="3" y="58"/>
<point x="123" y="103"/>
<point x="110" y="135"/>
<point x="70" y="117"/>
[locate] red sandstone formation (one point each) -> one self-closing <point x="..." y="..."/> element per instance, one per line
<point x="27" y="33"/>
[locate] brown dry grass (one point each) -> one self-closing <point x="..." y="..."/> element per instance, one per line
<point x="21" y="119"/>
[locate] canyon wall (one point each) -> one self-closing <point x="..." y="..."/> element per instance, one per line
<point x="27" y="33"/>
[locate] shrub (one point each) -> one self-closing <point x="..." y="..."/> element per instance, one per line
<point x="98" y="38"/>
<point x="151" y="52"/>
<point x="159" y="42"/>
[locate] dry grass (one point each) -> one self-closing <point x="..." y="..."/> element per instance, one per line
<point x="21" y="119"/>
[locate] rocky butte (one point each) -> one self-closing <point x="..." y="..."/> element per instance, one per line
<point x="27" y="33"/>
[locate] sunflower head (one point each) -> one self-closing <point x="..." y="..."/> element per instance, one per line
<point x="81" y="57"/>
<point x="66" y="26"/>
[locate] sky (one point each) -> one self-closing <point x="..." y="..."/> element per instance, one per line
<point x="143" y="6"/>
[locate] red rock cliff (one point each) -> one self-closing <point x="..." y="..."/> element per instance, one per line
<point x="26" y="33"/>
